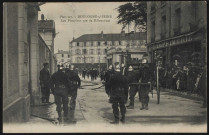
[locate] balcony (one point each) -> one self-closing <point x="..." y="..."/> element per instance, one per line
<point x="177" y="31"/>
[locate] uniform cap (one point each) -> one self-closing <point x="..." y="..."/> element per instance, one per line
<point x="110" y="67"/>
<point x="72" y="67"/>
<point x="122" y="65"/>
<point x="117" y="68"/>
<point x="144" y="61"/>
<point x="130" y="68"/>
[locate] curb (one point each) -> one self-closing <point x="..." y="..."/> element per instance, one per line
<point x="183" y="94"/>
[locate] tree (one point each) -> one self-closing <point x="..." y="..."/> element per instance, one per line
<point x="133" y="12"/>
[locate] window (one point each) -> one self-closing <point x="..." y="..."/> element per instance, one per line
<point x="77" y="43"/>
<point x="98" y="43"/>
<point x="91" y="51"/>
<point x="119" y="42"/>
<point x="105" y="42"/>
<point x="98" y="51"/>
<point x="153" y="7"/>
<point x="163" y="27"/>
<point x="177" y="28"/>
<point x="62" y="55"/>
<point x="62" y="60"/>
<point x="84" y="51"/>
<point x="105" y="51"/>
<point x="68" y="60"/>
<point x="153" y="32"/>
<point x="68" y="56"/>
<point x="78" y="51"/>
<point x="92" y="44"/>
<point x="84" y="44"/>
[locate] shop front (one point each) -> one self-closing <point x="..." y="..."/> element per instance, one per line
<point x="179" y="50"/>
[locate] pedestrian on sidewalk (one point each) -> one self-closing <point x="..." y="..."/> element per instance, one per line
<point x="132" y="77"/>
<point x="74" y="83"/>
<point x="59" y="81"/>
<point x="45" y="83"/>
<point x="118" y="85"/>
<point x="110" y="72"/>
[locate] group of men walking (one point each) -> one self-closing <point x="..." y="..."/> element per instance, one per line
<point x="64" y="83"/>
<point x="118" y="82"/>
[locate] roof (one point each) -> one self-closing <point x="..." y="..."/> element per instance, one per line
<point x="46" y="24"/>
<point x="111" y="37"/>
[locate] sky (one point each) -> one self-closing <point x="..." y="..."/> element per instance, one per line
<point x="69" y="29"/>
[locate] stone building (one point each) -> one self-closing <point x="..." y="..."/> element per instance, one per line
<point x="126" y="48"/>
<point x="176" y="31"/>
<point x="63" y="57"/>
<point x="89" y="51"/>
<point x="20" y="59"/>
<point x="101" y="50"/>
<point x="46" y="29"/>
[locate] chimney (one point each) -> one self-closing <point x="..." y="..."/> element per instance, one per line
<point x="42" y="16"/>
<point x="123" y="33"/>
<point x="102" y="34"/>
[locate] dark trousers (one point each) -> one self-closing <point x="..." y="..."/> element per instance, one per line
<point x="144" y="94"/>
<point x="121" y="102"/>
<point x="132" y="92"/>
<point x="73" y="98"/>
<point x="61" y="97"/>
<point x="45" y="92"/>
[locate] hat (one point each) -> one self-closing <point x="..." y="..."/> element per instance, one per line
<point x="130" y="68"/>
<point x="72" y="67"/>
<point x="110" y="67"/>
<point x="144" y="61"/>
<point x="117" y="68"/>
<point x="45" y="64"/>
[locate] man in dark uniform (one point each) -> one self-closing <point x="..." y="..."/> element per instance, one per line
<point x="124" y="70"/>
<point x="144" y="88"/>
<point x="45" y="83"/>
<point x="74" y="83"/>
<point x="132" y="78"/>
<point x="108" y="74"/>
<point x="59" y="81"/>
<point x="118" y="87"/>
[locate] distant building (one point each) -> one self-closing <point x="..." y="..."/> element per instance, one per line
<point x="63" y="57"/>
<point x="101" y="50"/>
<point x="46" y="29"/>
<point x="126" y="48"/>
<point x="176" y="31"/>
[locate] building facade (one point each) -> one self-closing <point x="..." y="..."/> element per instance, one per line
<point x="20" y="59"/>
<point x="89" y="51"/>
<point x="101" y="50"/>
<point x="126" y="48"/>
<point x="63" y="57"/>
<point x="176" y="31"/>
<point x="46" y="29"/>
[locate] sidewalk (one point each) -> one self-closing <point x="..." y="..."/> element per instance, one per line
<point x="46" y="113"/>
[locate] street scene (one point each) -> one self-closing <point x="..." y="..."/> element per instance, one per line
<point x="80" y="67"/>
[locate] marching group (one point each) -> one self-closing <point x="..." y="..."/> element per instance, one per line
<point x="119" y="81"/>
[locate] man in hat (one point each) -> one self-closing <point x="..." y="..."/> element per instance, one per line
<point x="59" y="82"/>
<point x="108" y="74"/>
<point x="74" y="83"/>
<point x="45" y="83"/>
<point x="144" y="88"/>
<point x="132" y="78"/>
<point x="118" y="89"/>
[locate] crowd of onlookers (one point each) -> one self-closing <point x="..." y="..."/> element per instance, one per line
<point x="184" y="78"/>
<point x="92" y="73"/>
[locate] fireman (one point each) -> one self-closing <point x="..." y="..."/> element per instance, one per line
<point x="132" y="78"/>
<point x="119" y="91"/>
<point x="145" y="82"/>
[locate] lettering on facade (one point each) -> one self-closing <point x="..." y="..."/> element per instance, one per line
<point x="171" y="42"/>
